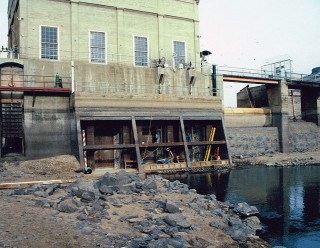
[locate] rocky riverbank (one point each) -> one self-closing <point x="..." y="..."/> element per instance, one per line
<point x="122" y="210"/>
<point x="280" y="159"/>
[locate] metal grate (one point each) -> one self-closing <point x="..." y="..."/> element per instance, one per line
<point x="12" y="120"/>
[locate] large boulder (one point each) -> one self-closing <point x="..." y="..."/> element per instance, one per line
<point x="245" y="210"/>
<point x="67" y="206"/>
<point x="240" y="232"/>
<point x="119" y="179"/>
<point x="150" y="184"/>
<point x="79" y="187"/>
<point x="172" y="207"/>
<point x="88" y="196"/>
<point x="177" y="220"/>
<point x="121" y="182"/>
<point x="168" y="242"/>
<point x="253" y="222"/>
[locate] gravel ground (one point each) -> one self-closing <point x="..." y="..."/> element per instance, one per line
<point x="60" y="167"/>
<point x="281" y="159"/>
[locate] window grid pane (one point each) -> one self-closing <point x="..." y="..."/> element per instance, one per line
<point x="179" y="50"/>
<point x="49" y="43"/>
<point x="97" y="47"/>
<point x="141" y="51"/>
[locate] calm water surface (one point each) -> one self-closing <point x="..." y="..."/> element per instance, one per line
<point x="288" y="199"/>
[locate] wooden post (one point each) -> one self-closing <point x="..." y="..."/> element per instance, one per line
<point x="186" y="150"/>
<point x="225" y="138"/>
<point x="136" y="142"/>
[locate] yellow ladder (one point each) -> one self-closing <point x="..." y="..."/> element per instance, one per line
<point x="208" y="151"/>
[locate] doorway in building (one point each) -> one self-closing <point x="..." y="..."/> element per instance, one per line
<point x="12" y="128"/>
<point x="294" y="104"/>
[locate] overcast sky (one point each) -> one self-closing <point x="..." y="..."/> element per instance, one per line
<point x="247" y="33"/>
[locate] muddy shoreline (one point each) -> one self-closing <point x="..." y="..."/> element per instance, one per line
<point x="280" y="159"/>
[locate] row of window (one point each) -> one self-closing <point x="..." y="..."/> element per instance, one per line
<point x="49" y="47"/>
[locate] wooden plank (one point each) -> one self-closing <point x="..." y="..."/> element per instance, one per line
<point x="196" y="143"/>
<point x="203" y="143"/>
<point x="90" y="135"/>
<point x="108" y="147"/>
<point x="203" y="114"/>
<point x="161" y="144"/>
<point x="126" y="146"/>
<point x="136" y="142"/>
<point x="30" y="183"/>
<point x="186" y="150"/>
<point x="227" y="143"/>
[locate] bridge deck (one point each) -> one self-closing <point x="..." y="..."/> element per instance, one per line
<point x="251" y="80"/>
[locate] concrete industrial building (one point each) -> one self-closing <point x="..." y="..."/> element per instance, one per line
<point x="115" y="82"/>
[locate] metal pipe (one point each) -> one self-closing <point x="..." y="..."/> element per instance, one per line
<point x="72" y="77"/>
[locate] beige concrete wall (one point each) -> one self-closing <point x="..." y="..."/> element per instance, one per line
<point x="247" y="117"/>
<point x="116" y="79"/>
<point x="161" y="103"/>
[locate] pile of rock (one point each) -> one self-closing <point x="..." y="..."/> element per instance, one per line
<point x="121" y="210"/>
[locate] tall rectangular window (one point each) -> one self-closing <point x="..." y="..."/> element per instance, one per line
<point x="141" y="51"/>
<point x="97" y="47"/>
<point x="179" y="49"/>
<point x="49" y="43"/>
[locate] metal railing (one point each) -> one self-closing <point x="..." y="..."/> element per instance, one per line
<point x="105" y="88"/>
<point x="312" y="78"/>
<point x="38" y="81"/>
<point x="253" y="73"/>
<point x="128" y="60"/>
<point x="245" y="72"/>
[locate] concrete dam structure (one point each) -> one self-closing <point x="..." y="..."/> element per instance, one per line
<point x="137" y="93"/>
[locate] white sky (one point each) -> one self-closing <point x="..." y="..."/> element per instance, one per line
<point x="246" y="33"/>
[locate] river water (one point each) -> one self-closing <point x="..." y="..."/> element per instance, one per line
<point x="287" y="198"/>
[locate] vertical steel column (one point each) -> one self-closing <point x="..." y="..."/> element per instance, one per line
<point x="214" y="80"/>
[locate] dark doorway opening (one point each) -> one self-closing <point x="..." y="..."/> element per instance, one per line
<point x="12" y="128"/>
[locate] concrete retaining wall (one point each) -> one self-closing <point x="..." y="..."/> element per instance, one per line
<point x="247" y="117"/>
<point x="303" y="136"/>
<point x="249" y="132"/>
<point x="48" y="127"/>
<point x="252" y="141"/>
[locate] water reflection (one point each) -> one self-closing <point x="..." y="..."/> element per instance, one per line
<point x="288" y="199"/>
